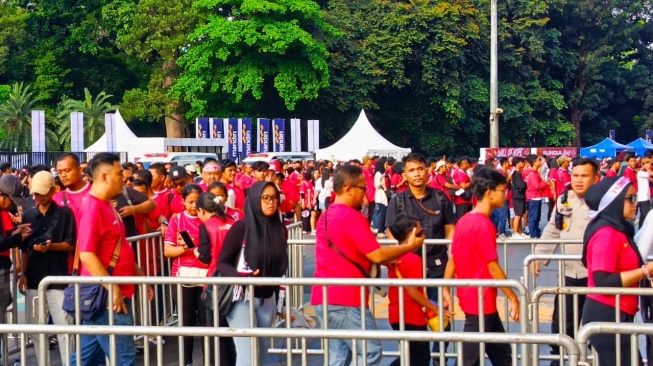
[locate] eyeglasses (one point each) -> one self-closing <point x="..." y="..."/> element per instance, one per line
<point x="632" y="198"/>
<point x="180" y="183"/>
<point x="269" y="199"/>
<point x="362" y="188"/>
<point x="500" y="190"/>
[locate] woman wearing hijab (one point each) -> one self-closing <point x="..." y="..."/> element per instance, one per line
<point x="262" y="240"/>
<point x="612" y="260"/>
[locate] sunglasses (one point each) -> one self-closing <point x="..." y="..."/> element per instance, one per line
<point x="632" y="198"/>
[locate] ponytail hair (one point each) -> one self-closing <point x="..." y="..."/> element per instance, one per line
<point x="212" y="204"/>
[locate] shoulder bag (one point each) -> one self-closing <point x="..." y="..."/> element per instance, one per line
<point x="226" y="296"/>
<point x="92" y="297"/>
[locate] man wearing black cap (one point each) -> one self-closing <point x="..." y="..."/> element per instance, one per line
<point x="11" y="190"/>
<point x="178" y="178"/>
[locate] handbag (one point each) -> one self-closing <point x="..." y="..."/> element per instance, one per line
<point x="92" y="297"/>
<point x="225" y="296"/>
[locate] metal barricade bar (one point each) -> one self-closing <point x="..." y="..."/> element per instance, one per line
<point x="537" y="294"/>
<point x="251" y="281"/>
<point x="589" y="330"/>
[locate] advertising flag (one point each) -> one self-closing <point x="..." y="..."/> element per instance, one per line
<point x="245" y="138"/>
<point x="613" y="136"/>
<point x="217" y="128"/>
<point x="263" y="144"/>
<point x="313" y="135"/>
<point x="296" y="135"/>
<point x="38" y="131"/>
<point x="202" y="128"/>
<point x="110" y="131"/>
<point x="77" y="131"/>
<point x="232" y="139"/>
<point x="279" y="134"/>
<point x="649" y="136"/>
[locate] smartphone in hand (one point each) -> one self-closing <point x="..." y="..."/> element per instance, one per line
<point x="185" y="236"/>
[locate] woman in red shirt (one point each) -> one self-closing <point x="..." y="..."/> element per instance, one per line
<point x="215" y="225"/>
<point x="185" y="263"/>
<point x="612" y="260"/>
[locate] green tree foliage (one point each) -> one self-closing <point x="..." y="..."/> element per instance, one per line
<point x="248" y="47"/>
<point x="94" y="110"/>
<point x="16" y="120"/>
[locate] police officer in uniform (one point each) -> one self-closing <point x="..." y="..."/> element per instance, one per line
<point x="568" y="222"/>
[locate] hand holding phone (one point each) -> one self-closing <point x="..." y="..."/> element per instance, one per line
<point x="187" y="239"/>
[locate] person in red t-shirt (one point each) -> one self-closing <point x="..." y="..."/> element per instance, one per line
<point x="185" y="263"/>
<point x="100" y="230"/>
<point x="613" y="168"/>
<point x="474" y="256"/>
<point x="236" y="196"/>
<point x="630" y="172"/>
<point x="349" y="232"/>
<point x="70" y="173"/>
<point x="612" y="260"/>
<point x="409" y="266"/>
<point x="461" y="179"/>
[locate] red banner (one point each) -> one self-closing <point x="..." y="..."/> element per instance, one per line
<point x="554" y="152"/>
<point x="501" y="152"/>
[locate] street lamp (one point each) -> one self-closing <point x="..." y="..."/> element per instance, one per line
<point x="494" y="78"/>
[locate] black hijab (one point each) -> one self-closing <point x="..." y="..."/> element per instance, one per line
<point x="266" y="247"/>
<point x="607" y="199"/>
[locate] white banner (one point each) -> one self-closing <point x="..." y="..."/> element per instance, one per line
<point x="110" y="131"/>
<point x="38" y="131"/>
<point x="295" y="135"/>
<point x="77" y="132"/>
<point x="313" y="134"/>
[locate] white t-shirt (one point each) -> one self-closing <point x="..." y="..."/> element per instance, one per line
<point x="643" y="192"/>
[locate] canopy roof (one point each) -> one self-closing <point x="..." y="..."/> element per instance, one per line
<point x="605" y="148"/>
<point x="640" y="145"/>
<point x="123" y="137"/>
<point x="362" y="139"/>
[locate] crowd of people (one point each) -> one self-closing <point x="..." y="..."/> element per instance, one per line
<point x="220" y="217"/>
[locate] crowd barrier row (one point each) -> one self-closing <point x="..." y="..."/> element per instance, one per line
<point x="164" y="312"/>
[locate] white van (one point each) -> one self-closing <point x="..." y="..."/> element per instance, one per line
<point x="176" y="158"/>
<point x="286" y="156"/>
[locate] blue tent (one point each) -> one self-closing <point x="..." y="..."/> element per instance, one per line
<point x="605" y="148"/>
<point x="640" y="145"/>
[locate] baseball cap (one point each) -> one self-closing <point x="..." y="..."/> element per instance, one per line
<point x="42" y="183"/>
<point x="274" y="165"/>
<point x="439" y="164"/>
<point x="189" y="169"/>
<point x="366" y="158"/>
<point x="13" y="188"/>
<point x="646" y="160"/>
<point x="177" y="172"/>
<point x="561" y="159"/>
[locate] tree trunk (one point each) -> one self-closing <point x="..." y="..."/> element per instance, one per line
<point x="174" y="119"/>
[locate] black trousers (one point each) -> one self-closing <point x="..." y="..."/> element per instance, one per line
<point x="419" y="351"/>
<point x="226" y="344"/>
<point x="643" y="207"/>
<point x="194" y="315"/>
<point x="463" y="208"/>
<point x="499" y="354"/>
<point x="569" y="311"/>
<point x="605" y="344"/>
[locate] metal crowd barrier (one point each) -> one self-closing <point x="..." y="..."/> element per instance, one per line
<point x="291" y="283"/>
<point x="633" y="330"/>
<point x="563" y="341"/>
<point x="537" y="294"/>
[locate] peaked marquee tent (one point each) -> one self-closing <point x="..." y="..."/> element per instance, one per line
<point x="362" y="139"/>
<point x="605" y="148"/>
<point x="640" y="145"/>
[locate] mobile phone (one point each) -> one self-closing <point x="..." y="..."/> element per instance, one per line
<point x="187" y="239"/>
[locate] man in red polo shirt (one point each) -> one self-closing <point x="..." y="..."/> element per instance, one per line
<point x="461" y="179"/>
<point x="100" y="231"/>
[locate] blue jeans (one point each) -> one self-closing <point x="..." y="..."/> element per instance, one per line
<point x="239" y="318"/>
<point x="500" y="218"/>
<point x="378" y="220"/>
<point x="94" y="348"/>
<point x="349" y="317"/>
<point x="534" y="215"/>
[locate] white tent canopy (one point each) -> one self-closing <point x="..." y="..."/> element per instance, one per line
<point x="123" y="136"/>
<point x="361" y="140"/>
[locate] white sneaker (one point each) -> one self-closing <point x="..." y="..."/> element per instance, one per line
<point x="520" y="237"/>
<point x="502" y="237"/>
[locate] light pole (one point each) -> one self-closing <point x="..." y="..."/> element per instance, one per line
<point x="494" y="77"/>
